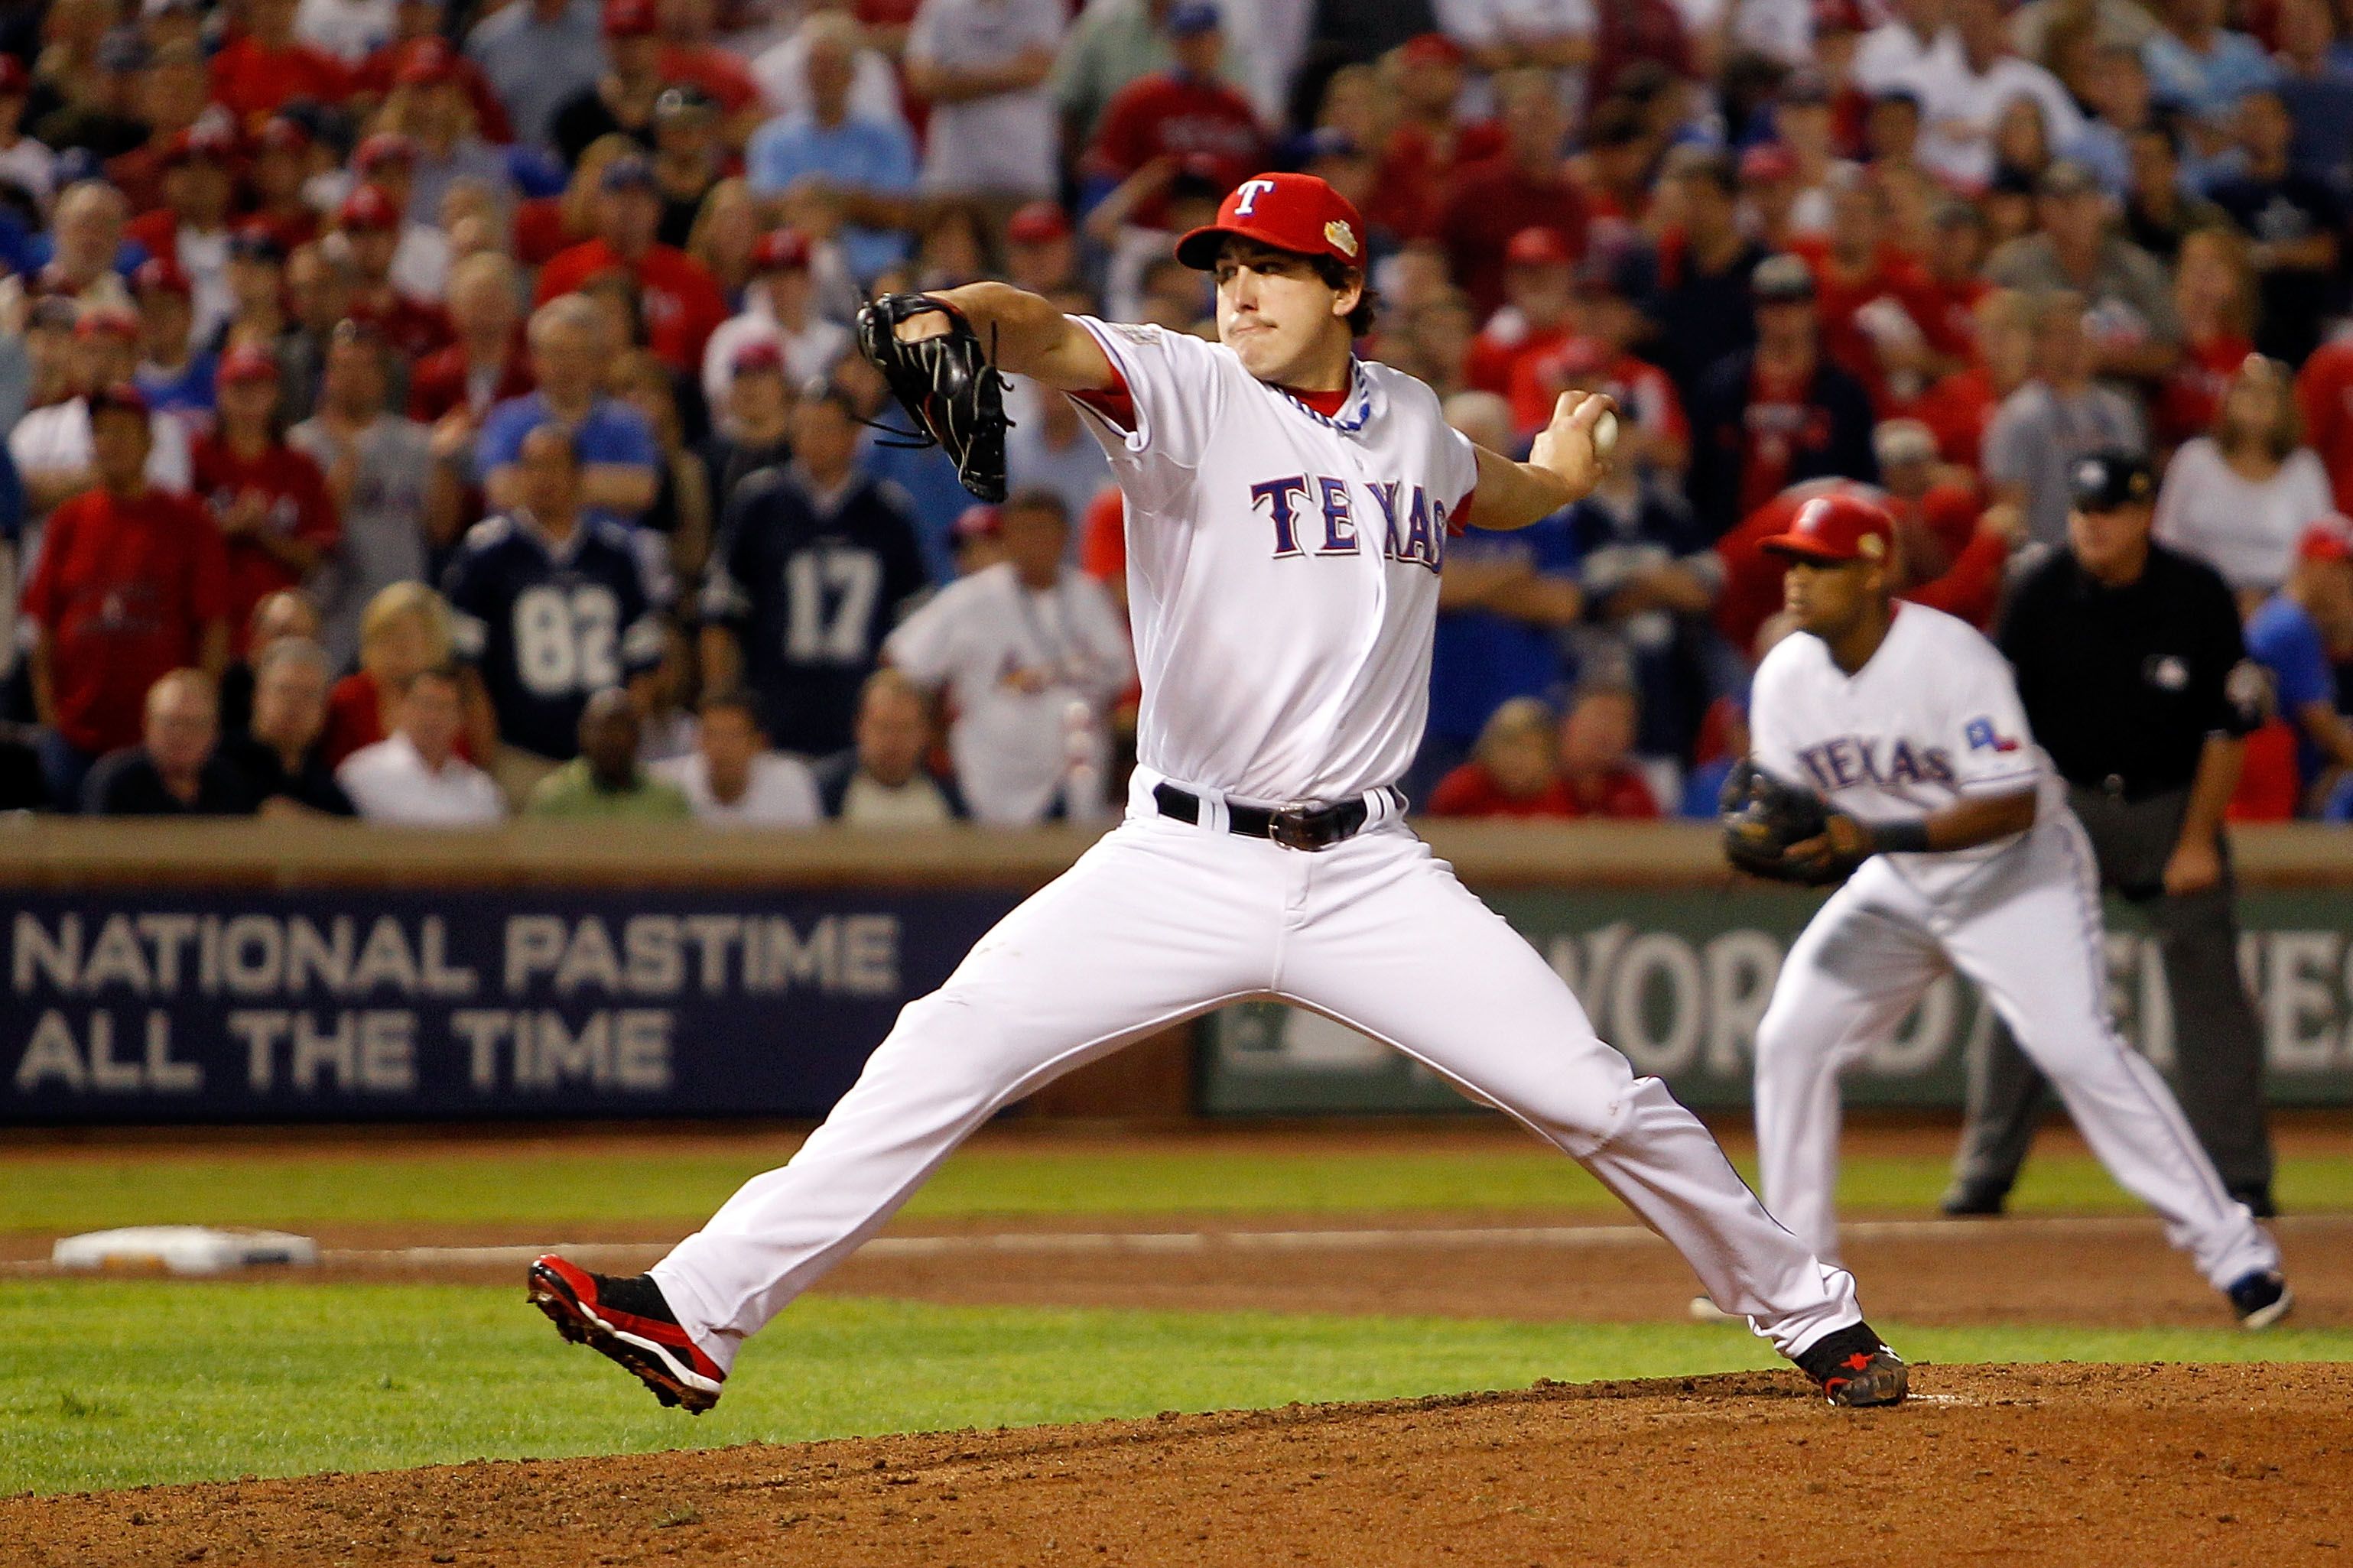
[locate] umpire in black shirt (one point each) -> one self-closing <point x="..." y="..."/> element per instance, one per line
<point x="2134" y="674"/>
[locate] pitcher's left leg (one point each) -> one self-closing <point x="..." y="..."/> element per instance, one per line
<point x="1389" y="942"/>
<point x="2036" y="947"/>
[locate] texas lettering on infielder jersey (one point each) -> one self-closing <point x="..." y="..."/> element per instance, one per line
<point x="1933" y="715"/>
<point x="1291" y="556"/>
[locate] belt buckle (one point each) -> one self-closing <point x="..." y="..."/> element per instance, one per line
<point x="1289" y="827"/>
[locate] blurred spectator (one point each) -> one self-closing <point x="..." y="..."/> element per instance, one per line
<point x="2160" y="212"/>
<point x="752" y="425"/>
<point x="2213" y="290"/>
<point x="679" y="301"/>
<point x="2317" y="91"/>
<point x="1961" y="406"/>
<point x="2297" y="634"/>
<point x="881" y="781"/>
<point x="779" y="307"/>
<point x="622" y="97"/>
<point x="2296" y="220"/>
<point x="25" y="161"/>
<point x="2324" y="397"/>
<point x="279" y="755"/>
<point x="782" y="71"/>
<point x="681" y="515"/>
<point x="1113" y="44"/>
<point x="87" y="261"/>
<point x="487" y="364"/>
<point x="415" y="775"/>
<point x="1703" y="306"/>
<point x="407" y="627"/>
<point x="289" y="615"/>
<point x="1963" y="94"/>
<point x="921" y="480"/>
<point x="1597" y="750"/>
<point x="815" y="564"/>
<point x="731" y="779"/>
<point x="982" y="65"/>
<point x="1512" y="771"/>
<point x="863" y="169"/>
<point x="1525" y="185"/>
<point x="53" y="447"/>
<point x="1767" y="417"/>
<point x="191" y="229"/>
<point x="174" y="770"/>
<point x="268" y="499"/>
<point x="1503" y="601"/>
<point x="690" y="161"/>
<point x="1873" y="299"/>
<point x="429" y="110"/>
<point x="551" y="607"/>
<point x="132" y="582"/>
<point x="2241" y="498"/>
<point x="395" y="488"/>
<point x="277" y="175"/>
<point x="171" y="374"/>
<point x="2121" y="101"/>
<point x="1533" y="319"/>
<point x="373" y="232"/>
<point x="605" y="780"/>
<point x="1049" y="450"/>
<point x="666" y="725"/>
<point x="266" y="65"/>
<point x="537" y="54"/>
<point x="1187" y="115"/>
<point x="1951" y="553"/>
<point x="979" y="546"/>
<point x="1030" y="653"/>
<point x="2199" y="64"/>
<point x="2051" y="422"/>
<point x="620" y="463"/>
<point x="2125" y="305"/>
<point x="1041" y="254"/>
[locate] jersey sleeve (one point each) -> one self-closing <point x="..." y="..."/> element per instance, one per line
<point x="1176" y="389"/>
<point x="1772" y="736"/>
<point x="1986" y="733"/>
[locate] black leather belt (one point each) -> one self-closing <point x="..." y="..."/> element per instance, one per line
<point x="1292" y="827"/>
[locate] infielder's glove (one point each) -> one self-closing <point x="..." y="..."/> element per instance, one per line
<point x="1763" y="817"/>
<point x="946" y="384"/>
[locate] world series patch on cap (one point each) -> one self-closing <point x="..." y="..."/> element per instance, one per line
<point x="2107" y="480"/>
<point x="1297" y="213"/>
<point x="1834" y="530"/>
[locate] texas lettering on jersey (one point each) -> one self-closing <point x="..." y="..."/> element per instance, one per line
<point x="1851" y="760"/>
<point x="1413" y="526"/>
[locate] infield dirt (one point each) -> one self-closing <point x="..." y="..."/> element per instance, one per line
<point x="2085" y="1465"/>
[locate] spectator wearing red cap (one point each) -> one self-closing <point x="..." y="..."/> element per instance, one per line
<point x="52" y="446"/>
<point x="1538" y="283"/>
<point x="982" y="65"/>
<point x="678" y="299"/>
<point x="173" y="375"/>
<point x="285" y="157"/>
<point x="1041" y="254"/>
<point x="485" y="365"/>
<point x="417" y="26"/>
<point x="622" y="97"/>
<point x="752" y="424"/>
<point x="429" y="104"/>
<point x="1185" y="116"/>
<point x="1598" y="356"/>
<point x="371" y="224"/>
<point x="269" y="501"/>
<point x="1524" y="187"/>
<point x="2323" y="397"/>
<point x="174" y="93"/>
<point x="190" y="227"/>
<point x="268" y="65"/>
<point x="133" y="583"/>
<point x="2299" y="634"/>
<point x="25" y="161"/>
<point x="1430" y="139"/>
<point x="537" y="54"/>
<point x="780" y="307"/>
<point x="692" y="57"/>
<point x="1770" y="417"/>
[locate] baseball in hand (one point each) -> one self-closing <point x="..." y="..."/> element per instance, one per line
<point x="1605" y="435"/>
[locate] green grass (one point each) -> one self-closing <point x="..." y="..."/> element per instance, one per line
<point x="555" y="1188"/>
<point x="114" y="1383"/>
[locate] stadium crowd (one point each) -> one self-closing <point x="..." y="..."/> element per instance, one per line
<point x="434" y="414"/>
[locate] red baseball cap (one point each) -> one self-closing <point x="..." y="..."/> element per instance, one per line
<point x="1037" y="223"/>
<point x="1536" y="247"/>
<point x="282" y="133"/>
<point x="206" y="139"/>
<point x="426" y="62"/>
<point x="1768" y="160"/>
<point x="367" y="208"/>
<point x="384" y="147"/>
<point x="1836" y="529"/>
<point x="2328" y="538"/>
<point x="162" y="274"/>
<point x="781" y="250"/>
<point x="105" y="322"/>
<point x="1432" y="49"/>
<point x="1297" y="213"/>
<point x="630" y="19"/>
<point x="759" y="355"/>
<point x="247" y="363"/>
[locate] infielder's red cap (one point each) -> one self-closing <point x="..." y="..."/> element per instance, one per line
<point x="1834" y="530"/>
<point x="1297" y="213"/>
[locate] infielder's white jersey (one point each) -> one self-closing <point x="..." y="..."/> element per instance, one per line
<point x="1014" y="660"/>
<point x="1933" y="715"/>
<point x="1282" y="566"/>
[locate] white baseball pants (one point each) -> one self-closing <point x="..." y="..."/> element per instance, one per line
<point x="1161" y="921"/>
<point x="2028" y="929"/>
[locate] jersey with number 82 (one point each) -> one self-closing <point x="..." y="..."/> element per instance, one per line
<point x="545" y="627"/>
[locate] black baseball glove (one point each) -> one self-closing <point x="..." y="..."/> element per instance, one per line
<point x="946" y="384"/>
<point x="1763" y="818"/>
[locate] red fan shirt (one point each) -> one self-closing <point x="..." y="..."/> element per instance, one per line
<point x="297" y="507"/>
<point x="1167" y="115"/>
<point x="254" y="81"/>
<point x="2192" y="392"/>
<point x="125" y="590"/>
<point x="680" y="300"/>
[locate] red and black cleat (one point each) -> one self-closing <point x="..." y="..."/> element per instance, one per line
<point x="1854" y="1369"/>
<point x="627" y="1321"/>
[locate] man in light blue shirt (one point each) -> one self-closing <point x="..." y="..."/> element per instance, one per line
<point x="2196" y="64"/>
<point x="866" y="167"/>
<point x="538" y="53"/>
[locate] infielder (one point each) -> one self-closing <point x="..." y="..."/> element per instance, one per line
<point x="1907" y="724"/>
<point x="1288" y="509"/>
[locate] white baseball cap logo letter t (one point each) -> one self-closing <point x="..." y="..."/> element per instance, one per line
<point x="1248" y="191"/>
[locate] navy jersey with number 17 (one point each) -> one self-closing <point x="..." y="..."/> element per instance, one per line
<point x="546" y="626"/>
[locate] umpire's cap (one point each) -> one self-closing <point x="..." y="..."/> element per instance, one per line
<point x="2110" y="482"/>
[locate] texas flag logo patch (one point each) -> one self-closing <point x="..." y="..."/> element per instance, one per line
<point x="1983" y="737"/>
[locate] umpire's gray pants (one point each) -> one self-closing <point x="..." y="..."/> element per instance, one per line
<point x="2217" y="1045"/>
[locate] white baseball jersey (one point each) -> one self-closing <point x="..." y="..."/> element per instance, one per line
<point x="1932" y="716"/>
<point x="1282" y="566"/>
<point x="1014" y="660"/>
